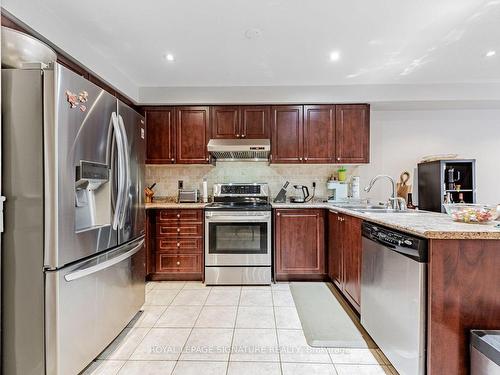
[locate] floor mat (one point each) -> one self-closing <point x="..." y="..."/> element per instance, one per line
<point x="324" y="321"/>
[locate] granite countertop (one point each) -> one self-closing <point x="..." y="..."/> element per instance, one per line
<point x="165" y="205"/>
<point x="426" y="224"/>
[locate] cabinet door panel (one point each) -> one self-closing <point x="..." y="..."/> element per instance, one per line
<point x="255" y="121"/>
<point x="192" y="135"/>
<point x="335" y="249"/>
<point x="183" y="263"/>
<point x="160" y="136"/>
<point x="319" y="133"/>
<point x="352" y="259"/>
<point x="225" y="122"/>
<point x="352" y="133"/>
<point x="287" y="134"/>
<point x="299" y="242"/>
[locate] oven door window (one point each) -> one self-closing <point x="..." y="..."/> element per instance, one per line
<point x="237" y="238"/>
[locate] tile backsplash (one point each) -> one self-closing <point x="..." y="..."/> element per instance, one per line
<point x="166" y="176"/>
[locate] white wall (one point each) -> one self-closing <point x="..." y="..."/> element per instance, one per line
<point x="400" y="138"/>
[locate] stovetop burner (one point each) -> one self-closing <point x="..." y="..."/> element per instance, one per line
<point x="242" y="197"/>
<point x="240" y="206"/>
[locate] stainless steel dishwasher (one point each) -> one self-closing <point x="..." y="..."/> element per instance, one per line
<point x="393" y="295"/>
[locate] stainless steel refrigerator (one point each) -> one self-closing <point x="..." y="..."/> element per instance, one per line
<point x="73" y="272"/>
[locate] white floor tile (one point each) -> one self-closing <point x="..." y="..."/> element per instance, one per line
<point x="254" y="368"/>
<point x="354" y="356"/>
<point x="148" y="317"/>
<point x="125" y="344"/>
<point x="223" y="297"/>
<point x="252" y="297"/>
<point x="191" y="297"/>
<point x="255" y="317"/>
<point x="308" y="368"/>
<point x="169" y="284"/>
<point x="257" y="345"/>
<point x="160" y="297"/>
<point x="362" y="370"/>
<point x="162" y="344"/>
<point x="149" y="286"/>
<point x="283" y="298"/>
<point x="256" y="287"/>
<point x="208" y="344"/>
<point x="195" y="285"/>
<point x="287" y="318"/>
<point x="179" y="317"/>
<point x="294" y="348"/>
<point x="104" y="368"/>
<point x="283" y="286"/>
<point x="147" y="368"/>
<point x="200" y="368"/>
<point x="217" y="317"/>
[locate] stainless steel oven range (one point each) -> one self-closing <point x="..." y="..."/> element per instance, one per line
<point x="238" y="235"/>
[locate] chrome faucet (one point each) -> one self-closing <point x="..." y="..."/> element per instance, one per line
<point x="397" y="203"/>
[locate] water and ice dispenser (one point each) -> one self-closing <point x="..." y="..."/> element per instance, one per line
<point x="92" y="196"/>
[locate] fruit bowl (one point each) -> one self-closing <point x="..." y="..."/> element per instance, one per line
<point x="471" y="213"/>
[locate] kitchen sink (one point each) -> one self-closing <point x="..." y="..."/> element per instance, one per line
<point x="382" y="211"/>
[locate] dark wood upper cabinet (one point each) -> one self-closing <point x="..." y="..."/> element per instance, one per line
<point x="225" y="122"/>
<point x="300" y="244"/>
<point x="192" y="124"/>
<point x="287" y="134"/>
<point x="255" y="122"/>
<point x="352" y="143"/>
<point x="160" y="136"/>
<point x="319" y="133"/>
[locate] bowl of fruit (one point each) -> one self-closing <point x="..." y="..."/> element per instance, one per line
<point x="471" y="213"/>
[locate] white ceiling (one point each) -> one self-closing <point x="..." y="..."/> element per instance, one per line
<point x="383" y="42"/>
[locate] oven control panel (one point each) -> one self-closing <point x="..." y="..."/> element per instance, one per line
<point x="241" y="190"/>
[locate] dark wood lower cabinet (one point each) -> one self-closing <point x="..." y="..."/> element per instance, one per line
<point x="175" y="241"/>
<point x="344" y="255"/>
<point x="299" y="237"/>
<point x="463" y="294"/>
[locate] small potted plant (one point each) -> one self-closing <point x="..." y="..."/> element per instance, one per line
<point x="342" y="171"/>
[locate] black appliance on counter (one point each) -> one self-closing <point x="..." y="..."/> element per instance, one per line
<point x="439" y="179"/>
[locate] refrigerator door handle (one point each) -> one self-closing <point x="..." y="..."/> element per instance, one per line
<point x="78" y="274"/>
<point x="2" y="199"/>
<point x="128" y="183"/>
<point x="121" y="172"/>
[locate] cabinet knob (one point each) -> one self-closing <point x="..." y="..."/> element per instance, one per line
<point x="172" y="160"/>
<point x="178" y="263"/>
<point x="178" y="244"/>
<point x="237" y="135"/>
<point x="207" y="159"/>
<point x="305" y="159"/>
<point x="178" y="230"/>
<point x="278" y="214"/>
<point x="300" y="159"/>
<point x="243" y="135"/>
<point x="178" y="215"/>
<point x="338" y="159"/>
<point x="338" y="218"/>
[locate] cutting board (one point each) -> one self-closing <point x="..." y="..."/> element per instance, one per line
<point x="403" y="188"/>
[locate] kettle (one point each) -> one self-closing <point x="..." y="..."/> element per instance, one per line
<point x="300" y="198"/>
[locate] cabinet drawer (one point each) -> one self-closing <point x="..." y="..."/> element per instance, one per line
<point x="191" y="245"/>
<point x="166" y="262"/>
<point x="180" y="215"/>
<point x="179" y="229"/>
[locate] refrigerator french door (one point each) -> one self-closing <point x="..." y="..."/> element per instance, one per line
<point x="74" y="238"/>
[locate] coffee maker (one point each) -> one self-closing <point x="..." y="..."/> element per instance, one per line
<point x="337" y="191"/>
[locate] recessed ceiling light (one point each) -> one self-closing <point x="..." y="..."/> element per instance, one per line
<point x="169" y="57"/>
<point x="334" y="56"/>
<point x="490" y="53"/>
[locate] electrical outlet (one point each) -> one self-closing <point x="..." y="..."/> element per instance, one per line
<point x="314" y="184"/>
<point x="180" y="184"/>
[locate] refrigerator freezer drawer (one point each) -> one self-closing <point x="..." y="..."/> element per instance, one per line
<point x="88" y="304"/>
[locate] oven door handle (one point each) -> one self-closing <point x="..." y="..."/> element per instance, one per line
<point x="225" y="219"/>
